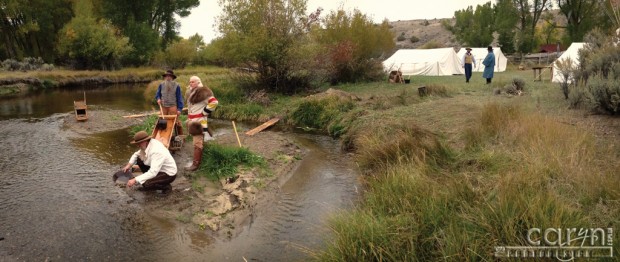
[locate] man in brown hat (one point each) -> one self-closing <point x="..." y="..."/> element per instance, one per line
<point x="158" y="167"/>
<point x="169" y="97"/>
<point x="467" y="61"/>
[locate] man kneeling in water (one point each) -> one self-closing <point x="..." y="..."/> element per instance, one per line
<point x="158" y="167"/>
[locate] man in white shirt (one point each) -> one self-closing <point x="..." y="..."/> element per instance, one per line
<point x="158" y="167"/>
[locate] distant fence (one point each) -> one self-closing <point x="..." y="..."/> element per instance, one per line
<point x="534" y="59"/>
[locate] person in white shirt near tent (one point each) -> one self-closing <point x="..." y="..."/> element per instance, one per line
<point x="467" y="61"/>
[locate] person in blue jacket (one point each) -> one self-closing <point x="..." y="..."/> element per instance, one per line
<point x="169" y="97"/>
<point x="489" y="65"/>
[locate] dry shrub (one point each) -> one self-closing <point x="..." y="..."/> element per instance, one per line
<point x="260" y="97"/>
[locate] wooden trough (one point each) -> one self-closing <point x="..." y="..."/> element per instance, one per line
<point x="80" y="109"/>
<point x="165" y="132"/>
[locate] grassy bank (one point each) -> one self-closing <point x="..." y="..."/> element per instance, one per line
<point x="18" y="83"/>
<point x="473" y="171"/>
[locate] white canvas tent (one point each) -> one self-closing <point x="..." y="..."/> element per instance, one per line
<point x="572" y="54"/>
<point x="431" y="62"/>
<point x="480" y="53"/>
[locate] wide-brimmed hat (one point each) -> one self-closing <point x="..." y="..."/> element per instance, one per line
<point x="169" y="73"/>
<point x="140" y="137"/>
<point x="467" y="48"/>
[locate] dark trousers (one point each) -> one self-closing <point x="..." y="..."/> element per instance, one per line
<point x="467" y="72"/>
<point x="489" y="80"/>
<point x="161" y="181"/>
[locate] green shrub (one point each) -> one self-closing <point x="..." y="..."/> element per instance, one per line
<point x="401" y="37"/>
<point x="414" y="39"/>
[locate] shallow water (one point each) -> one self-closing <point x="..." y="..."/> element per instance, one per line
<point x="58" y="202"/>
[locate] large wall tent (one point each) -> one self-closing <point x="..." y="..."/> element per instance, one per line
<point x="572" y="53"/>
<point x="431" y="62"/>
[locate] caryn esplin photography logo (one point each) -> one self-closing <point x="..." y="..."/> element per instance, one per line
<point x="563" y="244"/>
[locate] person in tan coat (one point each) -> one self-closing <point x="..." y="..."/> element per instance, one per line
<point x="200" y="103"/>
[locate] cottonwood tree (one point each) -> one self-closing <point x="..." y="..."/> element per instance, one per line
<point x="28" y="27"/>
<point x="151" y="25"/>
<point x="261" y="36"/>
<point x="580" y="17"/>
<point x="474" y="27"/>
<point x="90" y="43"/>
<point x="528" y="12"/>
<point x="505" y="22"/>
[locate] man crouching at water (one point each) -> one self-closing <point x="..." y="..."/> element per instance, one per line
<point x="158" y="167"/>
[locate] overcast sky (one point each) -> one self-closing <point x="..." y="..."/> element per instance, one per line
<point x="202" y="19"/>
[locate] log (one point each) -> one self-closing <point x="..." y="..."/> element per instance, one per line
<point x="262" y="127"/>
<point x="141" y="115"/>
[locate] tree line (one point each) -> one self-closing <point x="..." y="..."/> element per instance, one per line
<point x="522" y="25"/>
<point x="85" y="34"/>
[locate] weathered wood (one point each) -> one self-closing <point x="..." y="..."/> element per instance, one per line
<point x="262" y="127"/>
<point x="80" y="110"/>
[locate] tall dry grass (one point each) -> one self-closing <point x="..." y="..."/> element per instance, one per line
<point x="525" y="171"/>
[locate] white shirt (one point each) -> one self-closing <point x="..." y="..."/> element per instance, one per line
<point x="158" y="158"/>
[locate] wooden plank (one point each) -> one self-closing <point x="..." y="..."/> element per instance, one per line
<point x="262" y="127"/>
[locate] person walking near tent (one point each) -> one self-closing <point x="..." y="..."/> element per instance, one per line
<point x="489" y="65"/>
<point x="169" y="96"/>
<point x="200" y="104"/>
<point x="467" y="61"/>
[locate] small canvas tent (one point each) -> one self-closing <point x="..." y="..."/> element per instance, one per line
<point x="480" y="53"/>
<point x="572" y="53"/>
<point x="431" y="62"/>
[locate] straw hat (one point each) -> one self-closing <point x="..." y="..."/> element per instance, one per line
<point x="468" y="48"/>
<point x="140" y="137"/>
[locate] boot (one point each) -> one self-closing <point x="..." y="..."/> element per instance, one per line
<point x="197" y="159"/>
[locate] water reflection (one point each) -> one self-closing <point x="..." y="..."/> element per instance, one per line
<point x="127" y="97"/>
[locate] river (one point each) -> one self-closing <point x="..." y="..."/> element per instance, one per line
<point x="57" y="201"/>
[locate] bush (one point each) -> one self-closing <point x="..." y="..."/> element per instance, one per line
<point x="598" y="74"/>
<point x="414" y="39"/>
<point x="401" y="37"/>
<point x="27" y="64"/>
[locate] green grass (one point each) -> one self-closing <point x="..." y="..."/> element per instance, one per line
<point x="224" y="161"/>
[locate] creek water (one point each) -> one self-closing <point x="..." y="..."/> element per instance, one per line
<point x="57" y="200"/>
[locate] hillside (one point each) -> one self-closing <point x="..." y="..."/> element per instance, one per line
<point x="428" y="30"/>
<point x="425" y="30"/>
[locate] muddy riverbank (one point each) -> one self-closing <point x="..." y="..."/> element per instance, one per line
<point x="201" y="203"/>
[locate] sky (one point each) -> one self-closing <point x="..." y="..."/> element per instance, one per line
<point x="202" y="19"/>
